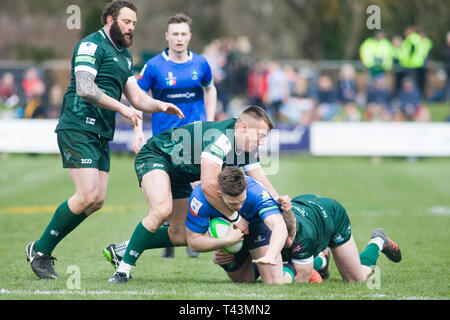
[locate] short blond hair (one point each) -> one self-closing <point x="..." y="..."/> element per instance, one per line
<point x="257" y="113"/>
<point x="179" y="18"/>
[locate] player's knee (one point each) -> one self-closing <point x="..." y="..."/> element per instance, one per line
<point x="162" y="210"/>
<point x="98" y="204"/>
<point x="156" y="217"/>
<point x="355" y="278"/>
<point x="89" y="198"/>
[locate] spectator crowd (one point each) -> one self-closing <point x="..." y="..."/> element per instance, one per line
<point x="393" y="86"/>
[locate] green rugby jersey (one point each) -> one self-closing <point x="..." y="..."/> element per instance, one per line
<point x="184" y="147"/>
<point x="318" y="221"/>
<point x="112" y="67"/>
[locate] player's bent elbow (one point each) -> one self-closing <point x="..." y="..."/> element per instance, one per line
<point x="192" y="243"/>
<point x="192" y="247"/>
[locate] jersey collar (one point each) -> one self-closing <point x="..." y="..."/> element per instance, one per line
<point x="165" y="54"/>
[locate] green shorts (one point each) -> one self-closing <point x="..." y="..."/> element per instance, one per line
<point x="334" y="230"/>
<point x="83" y="149"/>
<point x="150" y="159"/>
<point x="342" y="229"/>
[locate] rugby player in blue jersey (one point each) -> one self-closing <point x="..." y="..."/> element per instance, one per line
<point x="182" y="77"/>
<point x="179" y="76"/>
<point x="261" y="252"/>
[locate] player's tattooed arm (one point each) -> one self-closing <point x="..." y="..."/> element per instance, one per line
<point x="86" y="87"/>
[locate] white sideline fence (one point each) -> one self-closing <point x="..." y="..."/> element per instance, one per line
<point x="406" y="139"/>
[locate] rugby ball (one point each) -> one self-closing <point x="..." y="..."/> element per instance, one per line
<point x="218" y="228"/>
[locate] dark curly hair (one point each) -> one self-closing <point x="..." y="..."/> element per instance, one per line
<point x="112" y="9"/>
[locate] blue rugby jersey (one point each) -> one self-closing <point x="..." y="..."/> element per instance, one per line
<point x="258" y="206"/>
<point x="178" y="83"/>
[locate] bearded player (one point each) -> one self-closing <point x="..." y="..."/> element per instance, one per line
<point x="102" y="69"/>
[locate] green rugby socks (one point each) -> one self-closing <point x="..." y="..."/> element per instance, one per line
<point x="369" y="256"/>
<point x="288" y="268"/>
<point x="143" y="239"/>
<point x="62" y="223"/>
<point x="319" y="262"/>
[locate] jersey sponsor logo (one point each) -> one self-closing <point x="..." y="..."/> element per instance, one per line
<point x="302" y="211"/>
<point x="260" y="239"/>
<point x="140" y="166"/>
<point x="171" y="80"/>
<point x="337" y="238"/>
<point x="186" y="95"/>
<point x="322" y="210"/>
<point x="67" y="155"/>
<point x="194" y="74"/>
<point x="86" y="161"/>
<point x="85" y="58"/>
<point x="195" y="206"/>
<point x="134" y="253"/>
<point x="297" y="247"/>
<point x="87" y="48"/>
<point x="158" y="165"/>
<point x="90" y="120"/>
<point x="217" y="151"/>
<point x="265" y="195"/>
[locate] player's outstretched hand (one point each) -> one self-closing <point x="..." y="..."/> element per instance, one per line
<point x="170" y="108"/>
<point x="221" y="257"/>
<point x="285" y="202"/>
<point x="265" y="260"/>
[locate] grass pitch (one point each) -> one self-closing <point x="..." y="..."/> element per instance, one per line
<point x="409" y="199"/>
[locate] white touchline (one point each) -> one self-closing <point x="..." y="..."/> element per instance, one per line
<point x="201" y="293"/>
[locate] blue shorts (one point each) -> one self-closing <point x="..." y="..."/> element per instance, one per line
<point x="258" y="236"/>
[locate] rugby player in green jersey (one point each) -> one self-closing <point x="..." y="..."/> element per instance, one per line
<point x="102" y="69"/>
<point x="168" y="163"/>
<point x="315" y="223"/>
